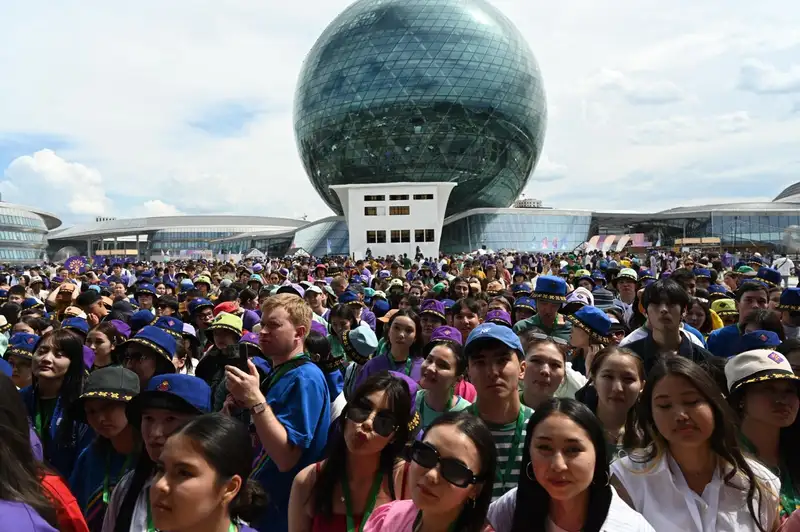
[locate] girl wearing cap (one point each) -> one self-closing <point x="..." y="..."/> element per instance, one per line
<point x="404" y="342"/>
<point x="564" y="483"/>
<point x="451" y="474"/>
<point x="691" y="474"/>
<point x="160" y="409"/>
<point x="101" y="465"/>
<point x="104" y="339"/>
<point x="363" y="470"/>
<point x="590" y="333"/>
<point x="149" y="353"/>
<point x="58" y="370"/>
<point x="217" y="494"/>
<point x="764" y="392"/>
<point x="616" y="378"/>
<point x="442" y="366"/>
<point x="47" y="499"/>
<point x="19" y="354"/>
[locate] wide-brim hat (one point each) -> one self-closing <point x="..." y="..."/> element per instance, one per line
<point x="790" y="300"/>
<point x="156" y="339"/>
<point x="360" y="344"/>
<point x="758" y="365"/>
<point x="112" y="383"/>
<point x="434" y="308"/>
<point x="226" y="322"/>
<point x="725" y="307"/>
<point x="175" y="392"/>
<point x="770" y="276"/>
<point x="22" y="345"/>
<point x="626" y="274"/>
<point x="550" y="287"/>
<point x="593" y="322"/>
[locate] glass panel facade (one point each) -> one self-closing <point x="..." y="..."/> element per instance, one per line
<point x="326" y="238"/>
<point x="421" y="91"/>
<point x="23" y="236"/>
<point x="196" y="238"/>
<point x="515" y="231"/>
<point x="753" y="229"/>
<point x="18" y="217"/>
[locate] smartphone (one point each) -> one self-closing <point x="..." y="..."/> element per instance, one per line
<point x="237" y="357"/>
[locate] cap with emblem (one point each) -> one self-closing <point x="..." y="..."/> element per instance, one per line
<point x="498" y="316"/>
<point x="78" y="325"/>
<point x="360" y="344"/>
<point x="593" y="322"/>
<point x="433" y="308"/>
<point x="725" y="307"/>
<point x="174" y="326"/>
<point x="112" y="383"/>
<point x="22" y="345"/>
<point x="159" y="340"/>
<point x="445" y="334"/>
<point x="173" y="392"/>
<point x="757" y="365"/>
<point x="488" y="333"/>
<point x="549" y="287"/>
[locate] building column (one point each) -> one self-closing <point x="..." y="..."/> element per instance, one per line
<point x="137" y="246"/>
<point x="88" y="247"/>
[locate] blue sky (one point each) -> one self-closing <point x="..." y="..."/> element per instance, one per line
<point x="186" y="107"/>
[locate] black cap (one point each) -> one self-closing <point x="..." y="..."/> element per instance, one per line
<point x="112" y="383"/>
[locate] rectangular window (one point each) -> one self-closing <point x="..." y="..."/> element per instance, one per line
<point x="371" y="237"/>
<point x="423" y="197"/>
<point x="429" y="235"/>
<point x="381" y="237"/>
<point x="405" y="236"/>
<point x="374" y="198"/>
<point x="370" y="211"/>
<point x="399" y="210"/>
<point x="395" y="236"/>
<point x="419" y="235"/>
<point x="398" y="197"/>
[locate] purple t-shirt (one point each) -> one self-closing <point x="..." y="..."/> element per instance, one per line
<point x="36" y="445"/>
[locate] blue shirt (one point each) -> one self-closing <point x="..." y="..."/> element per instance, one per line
<point x="335" y="381"/>
<point x="88" y="478"/>
<point x="60" y="453"/>
<point x="725" y="342"/>
<point x="301" y="402"/>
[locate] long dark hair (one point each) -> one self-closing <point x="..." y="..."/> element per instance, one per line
<point x="703" y="304"/>
<point x="632" y="438"/>
<point x="216" y="435"/>
<point x="399" y="399"/>
<point x="71" y="345"/>
<point x="114" y="336"/>
<point x="19" y="471"/>
<point x="723" y="438"/>
<point x="471" y="518"/>
<point x="533" y="501"/>
<point x="416" y="348"/>
<point x="343" y="311"/>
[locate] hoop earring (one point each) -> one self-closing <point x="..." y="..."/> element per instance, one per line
<point x="529" y="471"/>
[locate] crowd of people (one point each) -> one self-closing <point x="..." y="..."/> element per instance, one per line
<point x="485" y="392"/>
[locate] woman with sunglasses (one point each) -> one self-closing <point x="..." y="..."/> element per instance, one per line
<point x="565" y="483"/>
<point x="451" y="476"/>
<point x="363" y="470"/>
<point x="547" y="372"/>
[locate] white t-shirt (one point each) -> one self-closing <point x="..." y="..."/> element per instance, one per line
<point x="139" y="518"/>
<point x="620" y="518"/>
<point x="784" y="265"/>
<point x="659" y="491"/>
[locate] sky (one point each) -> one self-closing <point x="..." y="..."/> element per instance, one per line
<point x="185" y="107"/>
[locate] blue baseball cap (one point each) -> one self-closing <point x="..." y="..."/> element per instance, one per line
<point x="485" y="332"/>
<point x="175" y="391"/>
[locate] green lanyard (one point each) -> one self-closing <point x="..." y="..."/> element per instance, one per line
<point x="512" y="452"/>
<point x="418" y="523"/>
<point x="373" y="496"/>
<point x="38" y="420"/>
<point x="106" y="490"/>
<point x="283" y="369"/>
<point x="393" y="363"/>
<point x="152" y="528"/>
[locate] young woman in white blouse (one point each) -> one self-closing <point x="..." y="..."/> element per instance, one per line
<point x="691" y="476"/>
<point x="565" y="484"/>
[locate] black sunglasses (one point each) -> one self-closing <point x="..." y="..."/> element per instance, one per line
<point x="383" y="423"/>
<point x="452" y="470"/>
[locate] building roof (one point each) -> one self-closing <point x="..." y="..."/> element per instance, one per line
<point x="790" y="193"/>
<point x="132" y="226"/>
<point x="51" y="221"/>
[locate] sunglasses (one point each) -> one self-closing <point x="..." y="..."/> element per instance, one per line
<point x="452" y="470"/>
<point x="383" y="423"/>
<point x="541" y="336"/>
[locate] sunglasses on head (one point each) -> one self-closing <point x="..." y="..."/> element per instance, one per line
<point x="452" y="470"/>
<point x="383" y="423"/>
<point x="542" y="336"/>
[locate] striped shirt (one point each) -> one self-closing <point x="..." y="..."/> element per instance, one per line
<point x="503" y="438"/>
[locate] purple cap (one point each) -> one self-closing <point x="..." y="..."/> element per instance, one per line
<point x="413" y="387"/>
<point x="123" y="328"/>
<point x="318" y="327"/>
<point x="434" y="308"/>
<point x="446" y="334"/>
<point x="499" y="316"/>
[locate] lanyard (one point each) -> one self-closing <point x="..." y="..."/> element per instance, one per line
<point x="152" y="528"/>
<point x="514" y="449"/>
<point x="284" y="368"/>
<point x="106" y="490"/>
<point x="371" y="498"/>
<point x="393" y="363"/>
<point x="417" y="525"/>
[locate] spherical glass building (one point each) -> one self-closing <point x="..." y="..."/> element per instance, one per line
<point x="421" y="90"/>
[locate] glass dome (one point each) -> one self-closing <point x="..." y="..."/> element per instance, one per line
<point x="421" y="90"/>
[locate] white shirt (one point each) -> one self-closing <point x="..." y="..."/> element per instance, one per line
<point x="139" y="517"/>
<point x="620" y="518"/>
<point x="659" y="491"/>
<point x="642" y="332"/>
<point x="784" y="265"/>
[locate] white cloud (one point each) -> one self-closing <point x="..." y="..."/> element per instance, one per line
<point x="158" y="208"/>
<point x="680" y="129"/>
<point x="759" y="77"/>
<point x="638" y="91"/>
<point x="75" y="186"/>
